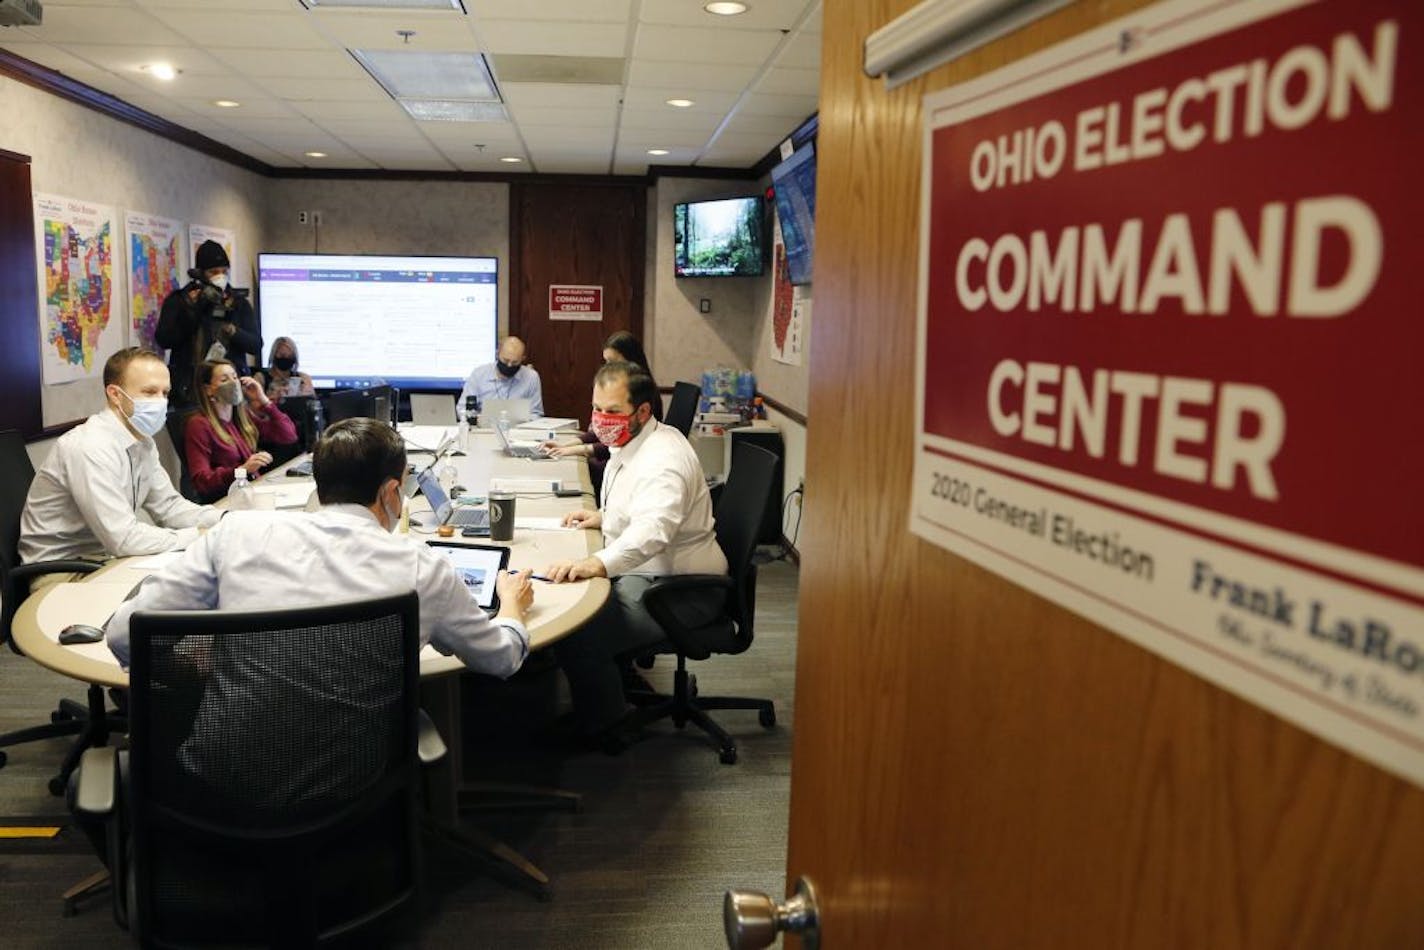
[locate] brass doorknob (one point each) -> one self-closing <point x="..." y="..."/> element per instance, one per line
<point x="752" y="919"/>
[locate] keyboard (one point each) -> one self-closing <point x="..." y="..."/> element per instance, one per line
<point x="469" y="518"/>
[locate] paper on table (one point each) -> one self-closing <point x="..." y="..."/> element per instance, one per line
<point x="425" y="438"/>
<point x="153" y="562"/>
<point x="285" y="495"/>
<point x="541" y="523"/>
<point x="525" y="484"/>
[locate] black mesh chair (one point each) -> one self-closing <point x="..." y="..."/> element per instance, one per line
<point x="682" y="407"/>
<point x="90" y="723"/>
<point x="738" y="518"/>
<point x="273" y="780"/>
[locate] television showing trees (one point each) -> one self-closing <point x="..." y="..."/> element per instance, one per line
<point x="722" y="238"/>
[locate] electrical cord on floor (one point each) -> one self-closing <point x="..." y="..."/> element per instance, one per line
<point x="789" y="543"/>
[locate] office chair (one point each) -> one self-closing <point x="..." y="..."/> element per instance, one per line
<point x="737" y="518"/>
<point x="682" y="407"/>
<point x="272" y="785"/>
<point x="89" y="723"/>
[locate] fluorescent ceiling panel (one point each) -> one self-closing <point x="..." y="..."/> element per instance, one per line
<point x="425" y="75"/>
<point x="391" y="4"/>
<point x="453" y="110"/>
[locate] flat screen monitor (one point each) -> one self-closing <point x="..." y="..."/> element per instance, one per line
<point x="363" y="319"/>
<point x="721" y="238"/>
<point x="794" y="182"/>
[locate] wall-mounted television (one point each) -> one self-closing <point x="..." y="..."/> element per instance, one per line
<point x="794" y="182"/>
<point x="720" y="238"/>
<point x="363" y="319"/>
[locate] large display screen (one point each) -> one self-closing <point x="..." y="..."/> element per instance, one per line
<point x="361" y="320"/>
<point x="794" y="181"/>
<point x="718" y="238"/>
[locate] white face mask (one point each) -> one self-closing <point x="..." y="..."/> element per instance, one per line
<point x="149" y="415"/>
<point x="219" y="281"/>
<point x="393" y="519"/>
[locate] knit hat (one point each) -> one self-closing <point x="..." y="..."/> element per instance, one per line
<point x="210" y="254"/>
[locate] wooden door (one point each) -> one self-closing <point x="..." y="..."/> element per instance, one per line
<point x="19" y="317"/>
<point x="574" y="234"/>
<point x="974" y="766"/>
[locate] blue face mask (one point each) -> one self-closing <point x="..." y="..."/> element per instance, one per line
<point x="149" y="415"/>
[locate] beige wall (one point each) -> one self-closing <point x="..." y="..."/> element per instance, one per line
<point x="79" y="153"/>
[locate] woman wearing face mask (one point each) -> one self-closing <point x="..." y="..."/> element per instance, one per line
<point x="233" y="416"/>
<point x="282" y="378"/>
<point x="623" y="346"/>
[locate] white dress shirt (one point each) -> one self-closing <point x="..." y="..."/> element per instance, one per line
<point x="488" y="382"/>
<point x="85" y="499"/>
<point x="657" y="513"/>
<point x="262" y="560"/>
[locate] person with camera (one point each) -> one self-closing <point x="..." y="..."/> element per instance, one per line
<point x="206" y="320"/>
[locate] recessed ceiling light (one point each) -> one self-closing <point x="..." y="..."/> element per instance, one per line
<point x="161" y="71"/>
<point x="681" y="103"/>
<point x="226" y="103"/>
<point x="725" y="9"/>
<point x="512" y="159"/>
<point x="315" y="154"/>
<point x="657" y="151"/>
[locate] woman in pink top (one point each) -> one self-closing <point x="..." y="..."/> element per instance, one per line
<point x="233" y="416"/>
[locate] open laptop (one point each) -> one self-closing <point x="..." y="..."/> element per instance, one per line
<point x="515" y="410"/>
<point x="477" y="565"/>
<point x="432" y="409"/>
<point x="519" y="450"/>
<point x="446" y="512"/>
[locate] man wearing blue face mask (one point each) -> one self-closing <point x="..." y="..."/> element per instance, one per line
<point x="508" y="377"/>
<point x="85" y="499"/>
<point x="207" y="320"/>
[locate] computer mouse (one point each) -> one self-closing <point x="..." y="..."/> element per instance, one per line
<point x="80" y="633"/>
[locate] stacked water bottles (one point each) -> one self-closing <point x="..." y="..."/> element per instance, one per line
<point x="729" y="400"/>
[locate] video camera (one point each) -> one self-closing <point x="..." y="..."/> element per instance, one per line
<point x="217" y="300"/>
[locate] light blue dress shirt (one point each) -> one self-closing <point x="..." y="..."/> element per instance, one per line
<point x="487" y="383"/>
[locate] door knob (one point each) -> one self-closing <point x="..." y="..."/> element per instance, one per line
<point x="752" y="919"/>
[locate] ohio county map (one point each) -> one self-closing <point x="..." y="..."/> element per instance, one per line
<point x="77" y="273"/>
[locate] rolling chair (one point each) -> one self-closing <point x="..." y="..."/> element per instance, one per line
<point x="264" y="810"/>
<point x="682" y="407"/>
<point x="90" y="723"/>
<point x="738" y="518"/>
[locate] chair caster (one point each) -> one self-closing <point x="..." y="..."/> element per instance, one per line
<point x="57" y="786"/>
<point x="728" y="755"/>
<point x="767" y="717"/>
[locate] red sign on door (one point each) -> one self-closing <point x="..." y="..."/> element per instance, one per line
<point x="575" y="302"/>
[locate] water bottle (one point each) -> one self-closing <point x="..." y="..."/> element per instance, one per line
<point x="504" y="422"/>
<point x="239" y="494"/>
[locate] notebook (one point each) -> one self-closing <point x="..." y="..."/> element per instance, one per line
<point x="446" y="512"/>
<point x="477" y="565"/>
<point x="432" y="409"/>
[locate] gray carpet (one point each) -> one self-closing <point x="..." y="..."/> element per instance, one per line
<point x="664" y="830"/>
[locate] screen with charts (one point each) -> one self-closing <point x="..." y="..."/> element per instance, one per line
<point x="357" y="320"/>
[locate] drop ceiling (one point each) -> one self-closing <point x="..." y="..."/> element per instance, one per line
<point x="752" y="78"/>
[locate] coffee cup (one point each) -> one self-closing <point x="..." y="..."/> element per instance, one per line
<point x="501" y="515"/>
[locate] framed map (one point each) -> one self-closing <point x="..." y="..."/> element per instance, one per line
<point x="75" y="240"/>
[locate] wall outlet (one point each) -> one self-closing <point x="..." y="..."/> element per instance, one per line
<point x="316" y="218"/>
<point x="303" y="217"/>
<point x="704" y="305"/>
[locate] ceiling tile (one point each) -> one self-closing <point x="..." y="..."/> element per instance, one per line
<point x="46" y="55"/>
<point x="328" y="64"/>
<point x="791" y="82"/>
<point x="745" y="47"/>
<point x="773" y="128"/>
<point x="691" y="77"/>
<point x="366" y="29"/>
<point x="126" y="60"/>
<point x="568" y="118"/>
<point x="298" y="89"/>
<point x="574" y="166"/>
<point x="110" y="25"/>
<point x="670" y="120"/>
<point x="803" y="52"/>
<point x="555" y="95"/>
<point x="382" y="108"/>
<point x="252" y="108"/>
<point x="582" y="11"/>
<point x="534" y="37"/>
<point x="651" y="97"/>
<point x="547" y="138"/>
<point x="760" y="15"/>
<point x="797" y="107"/>
<point x="233" y="27"/>
<point x="159" y="5"/>
<point x="645" y="139"/>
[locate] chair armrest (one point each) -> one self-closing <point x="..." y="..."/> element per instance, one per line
<point x="38" y="568"/>
<point x="98" y="780"/>
<point x="429" y="744"/>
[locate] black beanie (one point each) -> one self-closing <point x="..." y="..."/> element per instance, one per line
<point x="210" y="254"/>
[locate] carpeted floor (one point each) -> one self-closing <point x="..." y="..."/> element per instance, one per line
<point x="664" y="830"/>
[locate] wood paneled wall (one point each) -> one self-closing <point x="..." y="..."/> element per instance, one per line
<point x="19" y="318"/>
<point x="974" y="766"/>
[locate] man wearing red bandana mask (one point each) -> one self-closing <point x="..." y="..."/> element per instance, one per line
<point x="656" y="518"/>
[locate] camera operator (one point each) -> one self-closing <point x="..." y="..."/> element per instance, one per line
<point x="207" y="320"/>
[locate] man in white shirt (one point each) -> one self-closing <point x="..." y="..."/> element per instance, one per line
<point x="85" y="499"/>
<point x="506" y="378"/>
<point x="656" y="517"/>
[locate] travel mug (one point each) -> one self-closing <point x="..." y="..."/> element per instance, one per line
<point x="501" y="515"/>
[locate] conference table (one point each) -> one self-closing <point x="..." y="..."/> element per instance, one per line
<point x="558" y="609"/>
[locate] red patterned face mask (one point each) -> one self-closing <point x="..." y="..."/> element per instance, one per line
<point x="613" y="429"/>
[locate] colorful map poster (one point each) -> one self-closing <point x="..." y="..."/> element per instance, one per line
<point x="790" y="305"/>
<point x="156" y="268"/>
<point x="76" y="269"/>
<point x="227" y="237"/>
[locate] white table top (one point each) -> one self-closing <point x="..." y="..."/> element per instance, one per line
<point x="558" y="609"/>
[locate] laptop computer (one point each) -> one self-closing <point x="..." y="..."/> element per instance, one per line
<point x="515" y="410"/>
<point x="446" y="511"/>
<point x="477" y="565"/>
<point x="519" y="450"/>
<point x="432" y="409"/>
